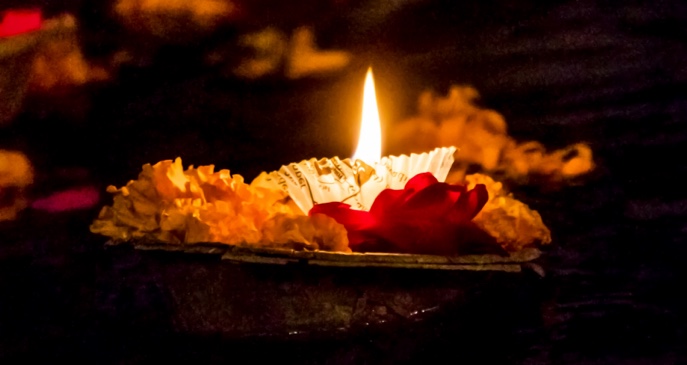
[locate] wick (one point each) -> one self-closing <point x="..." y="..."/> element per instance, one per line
<point x="363" y="172"/>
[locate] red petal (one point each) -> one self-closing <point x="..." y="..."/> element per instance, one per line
<point x="387" y="200"/>
<point x="434" y="201"/>
<point x="422" y="191"/>
<point x="426" y="217"/>
<point x="355" y="221"/>
<point x="469" y="204"/>
<point x="343" y="214"/>
<point x="420" y="181"/>
<point x="390" y="199"/>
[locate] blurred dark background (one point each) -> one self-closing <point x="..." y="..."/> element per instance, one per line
<point x="611" y="74"/>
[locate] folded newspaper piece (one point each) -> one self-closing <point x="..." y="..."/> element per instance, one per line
<point x="356" y="183"/>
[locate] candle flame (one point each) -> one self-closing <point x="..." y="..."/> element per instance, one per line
<point x="370" y="140"/>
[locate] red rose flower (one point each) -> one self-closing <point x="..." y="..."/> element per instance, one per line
<point x="426" y="217"/>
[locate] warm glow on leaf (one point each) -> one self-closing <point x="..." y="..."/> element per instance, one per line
<point x="369" y="147"/>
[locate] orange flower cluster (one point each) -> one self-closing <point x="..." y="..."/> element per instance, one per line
<point x="173" y="205"/>
<point x="511" y="222"/>
<point x="482" y="139"/>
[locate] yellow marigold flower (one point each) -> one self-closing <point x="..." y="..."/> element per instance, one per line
<point x="169" y="204"/>
<point x="510" y="221"/>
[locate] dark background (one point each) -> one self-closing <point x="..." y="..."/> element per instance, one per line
<point x="609" y="74"/>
